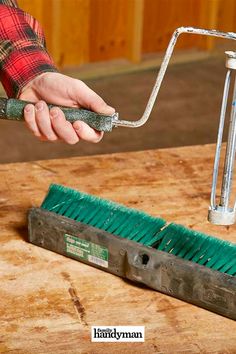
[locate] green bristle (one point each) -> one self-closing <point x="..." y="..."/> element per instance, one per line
<point x="187" y="247"/>
<point x="170" y="243"/>
<point x="82" y="213"/>
<point x="99" y="221"/>
<point x="140" y="227"/>
<point x="176" y="250"/>
<point x="102" y="214"/>
<point x="122" y="227"/>
<point x="199" y="248"/>
<point x="232" y="271"/>
<point x="147" y="235"/>
<point x="137" y="229"/>
<point x="73" y="210"/>
<point x="227" y="254"/>
<point x="228" y="266"/>
<point x="54" y="201"/>
<point x="111" y="224"/>
<point x="209" y="254"/>
<point x="168" y="240"/>
<point x="128" y="227"/>
<point x="195" y="246"/>
<point x="201" y="252"/>
<point x="89" y="217"/>
<point x="63" y="210"/>
<point x="115" y="222"/>
<point x="156" y="239"/>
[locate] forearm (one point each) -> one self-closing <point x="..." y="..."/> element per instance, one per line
<point x="23" y="54"/>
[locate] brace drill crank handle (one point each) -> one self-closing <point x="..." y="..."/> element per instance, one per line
<point x="13" y="109"/>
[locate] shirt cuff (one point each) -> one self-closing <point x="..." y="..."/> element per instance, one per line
<point x="23" y="65"/>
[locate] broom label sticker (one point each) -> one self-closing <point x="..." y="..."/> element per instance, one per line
<point x="86" y="250"/>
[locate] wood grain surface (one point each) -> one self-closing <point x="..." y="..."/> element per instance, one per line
<point x="49" y="302"/>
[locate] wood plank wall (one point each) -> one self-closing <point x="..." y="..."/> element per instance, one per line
<point x="83" y="31"/>
<point x="162" y="17"/>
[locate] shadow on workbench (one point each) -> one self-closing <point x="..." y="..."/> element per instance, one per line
<point x="22" y="230"/>
<point x="187" y="113"/>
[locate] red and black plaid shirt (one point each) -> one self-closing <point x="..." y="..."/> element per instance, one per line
<point x="23" y="53"/>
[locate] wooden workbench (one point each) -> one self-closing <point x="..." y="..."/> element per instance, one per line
<point x="37" y="314"/>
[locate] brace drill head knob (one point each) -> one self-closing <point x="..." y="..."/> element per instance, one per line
<point x="223" y="213"/>
<point x="230" y="62"/>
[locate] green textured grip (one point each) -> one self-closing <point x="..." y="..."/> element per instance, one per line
<point x="14" y="109"/>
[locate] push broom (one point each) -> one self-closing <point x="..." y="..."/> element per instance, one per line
<point x="170" y="258"/>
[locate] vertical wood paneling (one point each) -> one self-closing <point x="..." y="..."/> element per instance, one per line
<point x="55" y="31"/>
<point x="162" y="17"/>
<point x="226" y="15"/>
<point x="135" y="10"/>
<point x="47" y="23"/>
<point x="209" y="18"/>
<point x="227" y="18"/>
<point x="108" y="23"/>
<point x="72" y="31"/>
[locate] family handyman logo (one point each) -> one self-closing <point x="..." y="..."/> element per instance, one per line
<point x="117" y="333"/>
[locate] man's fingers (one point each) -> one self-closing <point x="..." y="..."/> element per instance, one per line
<point x="72" y="134"/>
<point x="87" y="133"/>
<point x="62" y="127"/>
<point x="43" y="121"/>
<point x="87" y="98"/>
<point x="30" y="112"/>
<point x="98" y="105"/>
<point x="29" y="115"/>
<point x="49" y="126"/>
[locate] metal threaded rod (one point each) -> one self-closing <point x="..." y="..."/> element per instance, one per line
<point x="229" y="157"/>
<point x="219" y="138"/>
<point x="223" y="213"/>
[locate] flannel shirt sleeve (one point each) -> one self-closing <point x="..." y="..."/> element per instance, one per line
<point x="23" y="54"/>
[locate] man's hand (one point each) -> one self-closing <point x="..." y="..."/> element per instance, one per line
<point x="60" y="90"/>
